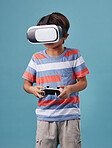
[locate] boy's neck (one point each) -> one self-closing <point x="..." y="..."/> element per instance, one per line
<point x="55" y="52"/>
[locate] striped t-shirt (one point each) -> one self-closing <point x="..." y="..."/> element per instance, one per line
<point x="54" y="71"/>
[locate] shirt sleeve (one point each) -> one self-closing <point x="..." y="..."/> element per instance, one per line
<point x="30" y="72"/>
<point x="80" y="69"/>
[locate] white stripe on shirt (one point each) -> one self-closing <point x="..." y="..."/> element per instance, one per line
<point x="32" y="64"/>
<point x="66" y="111"/>
<point x="79" y="61"/>
<point x="57" y="65"/>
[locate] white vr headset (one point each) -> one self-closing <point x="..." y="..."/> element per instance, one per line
<point x="44" y="34"/>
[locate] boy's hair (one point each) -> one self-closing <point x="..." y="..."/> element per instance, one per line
<point x="57" y="19"/>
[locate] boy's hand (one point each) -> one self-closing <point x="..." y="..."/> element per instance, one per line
<point x="65" y="93"/>
<point x="36" y="91"/>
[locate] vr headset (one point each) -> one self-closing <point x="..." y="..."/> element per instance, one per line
<point x="44" y="34"/>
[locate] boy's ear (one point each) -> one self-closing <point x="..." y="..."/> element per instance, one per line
<point x="65" y="36"/>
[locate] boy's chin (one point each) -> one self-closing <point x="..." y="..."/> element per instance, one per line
<point x="50" y="45"/>
<point x="54" y="45"/>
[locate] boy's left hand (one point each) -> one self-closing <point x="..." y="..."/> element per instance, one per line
<point x="65" y="93"/>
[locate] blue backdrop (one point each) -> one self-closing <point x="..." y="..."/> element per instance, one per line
<point x="91" y="32"/>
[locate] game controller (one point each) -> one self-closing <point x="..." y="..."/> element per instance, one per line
<point x="51" y="91"/>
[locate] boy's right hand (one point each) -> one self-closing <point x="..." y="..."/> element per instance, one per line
<point x="36" y="91"/>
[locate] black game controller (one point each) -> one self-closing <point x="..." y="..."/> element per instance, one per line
<point x="51" y="91"/>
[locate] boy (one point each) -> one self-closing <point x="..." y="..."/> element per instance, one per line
<point x="58" y="118"/>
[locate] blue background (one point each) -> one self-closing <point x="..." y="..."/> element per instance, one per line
<point x="91" y="32"/>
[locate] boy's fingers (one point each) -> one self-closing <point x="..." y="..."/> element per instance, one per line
<point x="61" y="95"/>
<point x="61" y="86"/>
<point x="39" y="96"/>
<point x="40" y="91"/>
<point x="40" y="86"/>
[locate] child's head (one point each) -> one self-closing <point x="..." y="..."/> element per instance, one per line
<point x="57" y="19"/>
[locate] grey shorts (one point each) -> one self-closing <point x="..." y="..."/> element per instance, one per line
<point x="52" y="133"/>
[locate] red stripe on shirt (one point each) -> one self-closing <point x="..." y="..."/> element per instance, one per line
<point x="82" y="73"/>
<point x="48" y="79"/>
<point x="59" y="102"/>
<point x="74" y="76"/>
<point x="29" y="76"/>
<point x="39" y="56"/>
<point x="71" y="52"/>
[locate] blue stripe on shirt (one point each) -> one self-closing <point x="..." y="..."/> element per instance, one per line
<point x="31" y="70"/>
<point x="58" y="118"/>
<point x="79" y="68"/>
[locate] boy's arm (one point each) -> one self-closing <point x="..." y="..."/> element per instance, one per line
<point x="80" y="85"/>
<point x="29" y="88"/>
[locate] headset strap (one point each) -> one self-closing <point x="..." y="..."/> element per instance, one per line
<point x="46" y="20"/>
